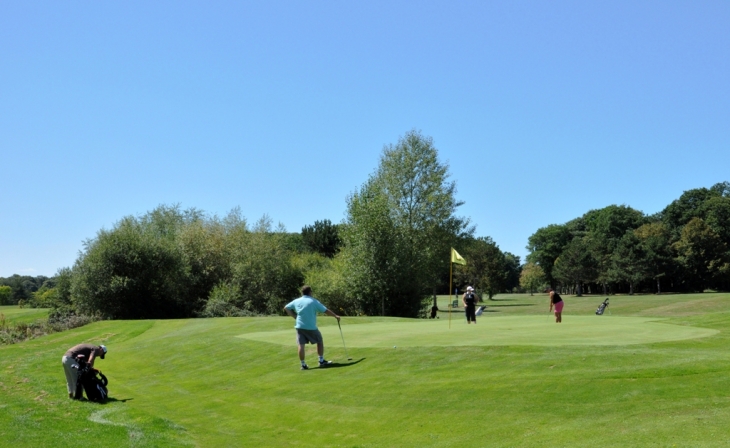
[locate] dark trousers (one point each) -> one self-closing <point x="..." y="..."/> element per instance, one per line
<point x="470" y="311"/>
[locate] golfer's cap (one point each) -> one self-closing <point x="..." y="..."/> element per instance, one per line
<point x="103" y="349"/>
<point x="469" y="288"/>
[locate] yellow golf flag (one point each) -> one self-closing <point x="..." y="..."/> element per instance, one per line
<point x="456" y="258"/>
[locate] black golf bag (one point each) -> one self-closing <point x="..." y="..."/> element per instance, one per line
<point x="602" y="307"/>
<point x="92" y="382"/>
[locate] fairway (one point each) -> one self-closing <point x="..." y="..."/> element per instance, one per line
<point x="493" y="331"/>
<point x="652" y="373"/>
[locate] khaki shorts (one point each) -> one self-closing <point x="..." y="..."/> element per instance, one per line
<point x="308" y="336"/>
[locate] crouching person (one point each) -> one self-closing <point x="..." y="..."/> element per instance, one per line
<point x="70" y="362"/>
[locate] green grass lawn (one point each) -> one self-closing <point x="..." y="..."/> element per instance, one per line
<point x="14" y="314"/>
<point x="652" y="373"/>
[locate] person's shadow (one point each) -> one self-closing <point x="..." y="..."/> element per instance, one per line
<point x="118" y="400"/>
<point x="335" y="365"/>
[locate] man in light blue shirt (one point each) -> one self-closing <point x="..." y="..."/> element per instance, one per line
<point x="304" y="310"/>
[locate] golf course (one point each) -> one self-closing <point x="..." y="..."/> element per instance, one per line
<point x="652" y="371"/>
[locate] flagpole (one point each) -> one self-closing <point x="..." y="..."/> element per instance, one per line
<point x="451" y="274"/>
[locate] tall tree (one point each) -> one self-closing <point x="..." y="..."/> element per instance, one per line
<point x="575" y="265"/>
<point x="605" y="229"/>
<point x="689" y="205"/>
<point x="701" y="253"/>
<point x="514" y="269"/>
<point x="323" y="237"/>
<point x="545" y="247"/>
<point x="532" y="277"/>
<point x="654" y="238"/>
<point x="413" y="200"/>
<point x="5" y="293"/>
<point x="629" y="261"/>
<point x="486" y="267"/>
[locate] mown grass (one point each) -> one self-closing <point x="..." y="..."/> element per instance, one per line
<point x="15" y="315"/>
<point x="207" y="383"/>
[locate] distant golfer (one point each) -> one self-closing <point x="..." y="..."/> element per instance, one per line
<point x="557" y="302"/>
<point x="470" y="302"/>
<point x="304" y="310"/>
<point x="70" y="362"/>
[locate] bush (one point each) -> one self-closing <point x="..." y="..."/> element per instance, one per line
<point x="225" y="301"/>
<point x="325" y="276"/>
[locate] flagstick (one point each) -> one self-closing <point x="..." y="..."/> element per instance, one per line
<point x="451" y="273"/>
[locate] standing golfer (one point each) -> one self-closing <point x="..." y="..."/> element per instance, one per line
<point x="470" y="302"/>
<point x="304" y="310"/>
<point x="70" y="362"/>
<point x="557" y="302"/>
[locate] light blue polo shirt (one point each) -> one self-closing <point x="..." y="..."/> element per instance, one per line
<point x="306" y="309"/>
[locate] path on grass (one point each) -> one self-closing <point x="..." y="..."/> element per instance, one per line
<point x="508" y="330"/>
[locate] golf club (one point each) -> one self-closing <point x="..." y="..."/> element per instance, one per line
<point x="343" y="341"/>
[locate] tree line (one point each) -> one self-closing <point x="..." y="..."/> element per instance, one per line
<point x="389" y="256"/>
<point x="617" y="249"/>
<point x="21" y="289"/>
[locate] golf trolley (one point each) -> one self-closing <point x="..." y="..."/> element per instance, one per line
<point x="602" y="307"/>
<point x="91" y="381"/>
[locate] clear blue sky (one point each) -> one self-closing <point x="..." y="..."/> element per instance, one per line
<point x="543" y="110"/>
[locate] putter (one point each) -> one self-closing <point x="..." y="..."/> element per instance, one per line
<point x="343" y="341"/>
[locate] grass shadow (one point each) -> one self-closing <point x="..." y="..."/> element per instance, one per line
<point x="335" y="365"/>
<point x="511" y="304"/>
<point x="117" y="400"/>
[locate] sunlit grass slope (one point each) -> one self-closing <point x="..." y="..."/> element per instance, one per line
<point x="14" y="314"/>
<point x="653" y="373"/>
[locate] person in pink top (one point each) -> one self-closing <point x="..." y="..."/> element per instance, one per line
<point x="557" y="302"/>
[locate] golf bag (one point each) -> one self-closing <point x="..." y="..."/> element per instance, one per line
<point x="434" y="312"/>
<point x="479" y="311"/>
<point x="602" y="307"/>
<point x="92" y="382"/>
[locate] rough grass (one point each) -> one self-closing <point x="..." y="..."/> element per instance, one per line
<point x="222" y="382"/>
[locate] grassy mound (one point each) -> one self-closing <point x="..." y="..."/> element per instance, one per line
<point x="653" y="373"/>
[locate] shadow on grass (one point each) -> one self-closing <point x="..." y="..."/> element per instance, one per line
<point x="335" y="365"/>
<point x="511" y="304"/>
<point x="117" y="400"/>
<point x="107" y="401"/>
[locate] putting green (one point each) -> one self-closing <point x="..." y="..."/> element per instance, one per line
<point x="509" y="330"/>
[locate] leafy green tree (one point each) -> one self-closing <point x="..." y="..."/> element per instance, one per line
<point x="223" y="301"/>
<point x="532" y="277"/>
<point x="130" y="272"/>
<point x="629" y="261"/>
<point x="6" y="293"/>
<point x="655" y="239"/>
<point x="486" y="267"/>
<point x="514" y="269"/>
<point x="716" y="213"/>
<point x="373" y="254"/>
<point x="689" y="205"/>
<point x="204" y="248"/>
<point x="405" y="214"/>
<point x="323" y="237"/>
<point x="722" y="189"/>
<point x="23" y="286"/>
<point x="701" y="253"/>
<point x="546" y="245"/>
<point x="326" y="276"/>
<point x="575" y="265"/>
<point x="605" y="229"/>
<point x="263" y="271"/>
